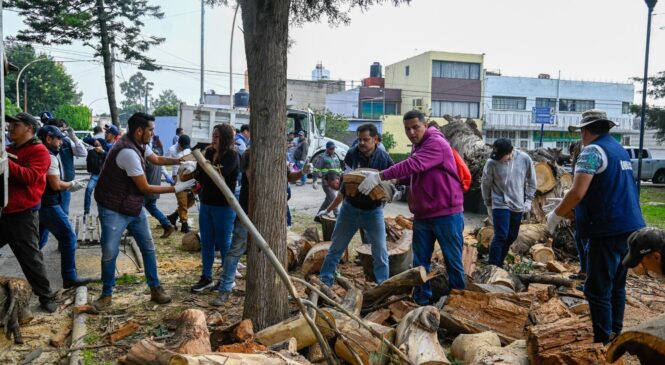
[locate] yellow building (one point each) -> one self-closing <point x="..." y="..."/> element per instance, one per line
<point x="395" y="126"/>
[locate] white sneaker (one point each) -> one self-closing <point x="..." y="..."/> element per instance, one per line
<point x="238" y="274"/>
<point x="241" y="266"/>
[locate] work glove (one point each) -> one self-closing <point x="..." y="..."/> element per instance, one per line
<point x="323" y="213"/>
<point x="187" y="167"/>
<point x="307" y="169"/>
<point x="372" y="179"/>
<point x="184" y="185"/>
<point x="77" y="185"/>
<point x="527" y="206"/>
<point x="553" y="221"/>
<point x="169" y="180"/>
<point x="489" y="215"/>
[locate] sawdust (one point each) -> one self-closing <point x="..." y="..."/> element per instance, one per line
<point x="247" y="347"/>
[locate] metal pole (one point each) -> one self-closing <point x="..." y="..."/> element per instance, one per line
<point x="650" y="6"/>
<point x="384" y="101"/>
<point x="233" y="26"/>
<point x="18" y="77"/>
<point x="25" y="95"/>
<point x="542" y="128"/>
<point x="202" y="98"/>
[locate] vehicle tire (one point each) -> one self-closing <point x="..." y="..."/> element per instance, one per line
<point x="659" y="177"/>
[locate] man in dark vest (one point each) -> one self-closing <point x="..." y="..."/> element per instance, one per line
<point x="606" y="209"/>
<point x="51" y="215"/>
<point x="120" y="194"/>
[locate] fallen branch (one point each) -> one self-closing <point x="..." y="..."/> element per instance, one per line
<point x="395" y="285"/>
<point x="546" y="279"/>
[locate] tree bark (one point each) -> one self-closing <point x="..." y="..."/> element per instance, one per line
<point x="266" y="32"/>
<point x="107" y="60"/>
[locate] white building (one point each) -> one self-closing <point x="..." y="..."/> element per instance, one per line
<point x="508" y="103"/>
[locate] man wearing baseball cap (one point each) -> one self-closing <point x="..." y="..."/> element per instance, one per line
<point x="111" y="135"/>
<point x="606" y="208"/>
<point x="325" y="162"/>
<point x="19" y="222"/>
<point x="300" y="154"/>
<point x="508" y="186"/>
<point x="646" y="247"/>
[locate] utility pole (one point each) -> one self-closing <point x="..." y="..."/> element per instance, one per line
<point x="202" y="99"/>
<point x="231" y="58"/>
<point x="25" y="95"/>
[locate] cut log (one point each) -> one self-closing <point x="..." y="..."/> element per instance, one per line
<point x="311" y="234"/>
<point x="58" y="340"/>
<point x="246" y="347"/>
<point x="529" y="235"/>
<point x="404" y="222"/>
<point x="646" y="341"/>
<point x="191" y="335"/>
<point x="513" y="354"/>
<point x="541" y="253"/>
<point x="400" y="256"/>
<point x="566" y="341"/>
<point x="469" y="258"/>
<point x="488" y="288"/>
<point x="355" y="177"/>
<point x="398" y="284"/>
<point x="542" y="291"/>
<point x="416" y="336"/>
<point x="370" y="349"/>
<point x="465" y="346"/>
<point x="353" y="300"/>
<point x="471" y="312"/>
<point x="379" y="316"/>
<point x="485" y="236"/>
<point x="400" y="309"/>
<point x="327" y="227"/>
<point x="550" y="311"/>
<point x="556" y="267"/>
<point x="14" y="306"/>
<point x="290" y="345"/>
<point x="545" y="178"/>
<point x="244" y="331"/>
<point x="494" y="275"/>
<point x="293" y="327"/>
<point x="324" y="288"/>
<point x="125" y="330"/>
<point x="546" y="279"/>
<point x="315" y="256"/>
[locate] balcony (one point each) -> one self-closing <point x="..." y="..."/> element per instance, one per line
<point x="521" y="120"/>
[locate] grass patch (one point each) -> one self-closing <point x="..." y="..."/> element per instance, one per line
<point x="91" y="338"/>
<point x="88" y="357"/>
<point x="654" y="215"/>
<point x="127" y="279"/>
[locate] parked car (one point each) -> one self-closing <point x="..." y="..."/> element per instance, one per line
<point x="652" y="169"/>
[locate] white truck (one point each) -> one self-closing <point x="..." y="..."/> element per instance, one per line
<point x="198" y="121"/>
<point x="652" y="169"/>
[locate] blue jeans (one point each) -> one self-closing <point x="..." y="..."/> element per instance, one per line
<point x="216" y="226"/>
<point x="582" y="247"/>
<point x="238" y="248"/>
<point x="605" y="286"/>
<point x="300" y="165"/>
<point x="87" y="201"/>
<point x="349" y="220"/>
<point x="64" y="204"/>
<point x="151" y="206"/>
<point x="54" y="219"/>
<point x="113" y="226"/>
<point x="506" y="228"/>
<point x="448" y="231"/>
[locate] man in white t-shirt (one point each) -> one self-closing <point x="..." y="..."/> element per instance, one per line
<point x="120" y="196"/>
<point x="185" y="198"/>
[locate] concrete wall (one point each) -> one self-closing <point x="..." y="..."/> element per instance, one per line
<point x="303" y="94"/>
<point x="344" y="102"/>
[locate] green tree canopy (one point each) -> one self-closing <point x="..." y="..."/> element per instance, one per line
<point x="48" y="84"/>
<point x="388" y="140"/>
<point x="336" y="124"/>
<point x="77" y="116"/>
<point x="655" y="115"/>
<point x="166" y="110"/>
<point x="166" y="98"/>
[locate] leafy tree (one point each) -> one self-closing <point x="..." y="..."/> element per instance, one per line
<point x="135" y="90"/>
<point x="11" y="108"/>
<point x="48" y="84"/>
<point x="166" y="98"/>
<point x="167" y="110"/>
<point x="655" y="115"/>
<point x="77" y="116"/>
<point x="336" y="124"/>
<point x="388" y="140"/>
<point x="104" y="25"/>
<point x="266" y="34"/>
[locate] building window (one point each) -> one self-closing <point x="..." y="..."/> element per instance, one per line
<point x="456" y="70"/>
<point x="625" y="107"/>
<point x="454" y="108"/>
<point x="406" y="70"/>
<point x="546" y="102"/>
<point x="625" y="140"/>
<point x="524" y="145"/>
<point x="508" y="103"/>
<point x="373" y="109"/>
<point x="572" y="105"/>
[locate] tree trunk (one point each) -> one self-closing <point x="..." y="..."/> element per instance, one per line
<point x="107" y="60"/>
<point x="266" y="32"/>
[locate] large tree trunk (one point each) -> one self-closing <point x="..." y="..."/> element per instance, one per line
<point x="108" y="62"/>
<point x="265" y="25"/>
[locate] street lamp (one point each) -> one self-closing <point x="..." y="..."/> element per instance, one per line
<point x="19" y="76"/>
<point x="650" y="5"/>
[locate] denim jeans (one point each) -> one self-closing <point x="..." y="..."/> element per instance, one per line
<point x="300" y="165"/>
<point x="506" y="228"/>
<point x="238" y="248"/>
<point x="64" y="204"/>
<point x="582" y="247"/>
<point x="87" y="201"/>
<point x="448" y="231"/>
<point x="113" y="226"/>
<point x="66" y="199"/>
<point x="151" y="206"/>
<point x="54" y="219"/>
<point x="216" y="226"/>
<point x="605" y="286"/>
<point x="349" y="220"/>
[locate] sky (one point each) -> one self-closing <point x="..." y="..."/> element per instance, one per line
<point x="592" y="40"/>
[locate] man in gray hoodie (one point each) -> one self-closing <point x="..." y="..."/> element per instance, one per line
<point x="508" y="186"/>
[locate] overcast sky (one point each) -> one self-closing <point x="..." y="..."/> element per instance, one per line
<point x="594" y="40"/>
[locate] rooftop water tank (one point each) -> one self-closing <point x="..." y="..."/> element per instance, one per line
<point x="241" y="99"/>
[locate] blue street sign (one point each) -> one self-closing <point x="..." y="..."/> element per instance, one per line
<point x="542" y="115"/>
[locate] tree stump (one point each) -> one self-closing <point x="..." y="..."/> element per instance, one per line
<point x="646" y="341"/>
<point x="400" y="256"/>
<point x="541" y="253"/>
<point x="191" y="241"/>
<point x="417" y="337"/>
<point x="315" y="256"/>
<point x="545" y="177"/>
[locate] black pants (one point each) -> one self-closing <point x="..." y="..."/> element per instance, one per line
<point x="21" y="232"/>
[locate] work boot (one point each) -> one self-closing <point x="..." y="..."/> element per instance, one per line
<point x="173" y="217"/>
<point x="103" y="302"/>
<point x="221" y="299"/>
<point x="76" y="283"/>
<point x="48" y="304"/>
<point x="184" y="227"/>
<point x="167" y="231"/>
<point x="159" y="296"/>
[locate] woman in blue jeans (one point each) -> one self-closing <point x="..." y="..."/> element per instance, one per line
<point x="216" y="217"/>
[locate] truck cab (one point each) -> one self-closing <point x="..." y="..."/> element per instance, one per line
<point x="305" y="120"/>
<point x="652" y="169"/>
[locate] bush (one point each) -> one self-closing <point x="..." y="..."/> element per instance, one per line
<point x="11" y="108"/>
<point x="397" y="157"/>
<point x="166" y="110"/>
<point x="77" y="116"/>
<point x="388" y="141"/>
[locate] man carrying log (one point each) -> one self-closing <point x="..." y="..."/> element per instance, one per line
<point x="606" y="207"/>
<point x="508" y="186"/>
<point x="435" y="199"/>
<point x="120" y="195"/>
<point x="360" y="211"/>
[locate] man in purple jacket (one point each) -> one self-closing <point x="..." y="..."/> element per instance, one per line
<point x="435" y="199"/>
